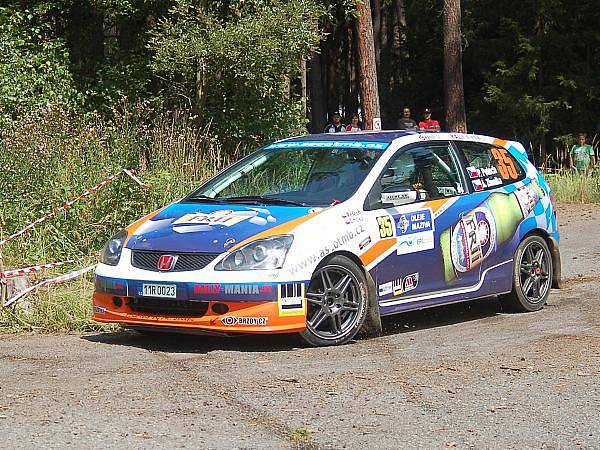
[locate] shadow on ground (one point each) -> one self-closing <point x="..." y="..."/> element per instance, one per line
<point x="392" y="325"/>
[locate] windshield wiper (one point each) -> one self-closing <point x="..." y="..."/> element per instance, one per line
<point x="203" y="199"/>
<point x="259" y="199"/>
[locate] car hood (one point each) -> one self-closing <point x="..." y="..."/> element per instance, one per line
<point x="185" y="227"/>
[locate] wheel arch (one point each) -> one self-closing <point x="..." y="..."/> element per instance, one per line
<point x="372" y="325"/>
<point x="554" y="252"/>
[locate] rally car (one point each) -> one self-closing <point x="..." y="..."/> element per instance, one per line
<point x="322" y="235"/>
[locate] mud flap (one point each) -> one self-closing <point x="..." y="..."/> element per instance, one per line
<point x="557" y="282"/>
<point x="372" y="325"/>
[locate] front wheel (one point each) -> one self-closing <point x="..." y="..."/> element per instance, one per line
<point x="532" y="276"/>
<point x="337" y="298"/>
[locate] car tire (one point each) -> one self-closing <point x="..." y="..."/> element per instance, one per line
<point x="337" y="301"/>
<point x="532" y="276"/>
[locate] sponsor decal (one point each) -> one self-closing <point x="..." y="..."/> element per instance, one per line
<point x="166" y="262"/>
<point x="385" y="289"/>
<point x="473" y="239"/>
<point x="222" y="217"/>
<point x="290" y="298"/>
<point x="334" y="245"/>
<point x="229" y="242"/>
<point x="415" y="231"/>
<point x="399" y="286"/>
<point x="362" y="244"/>
<point x="401" y="197"/>
<point x="386" y="227"/>
<point x="99" y="309"/>
<point x="527" y="196"/>
<point x="352" y="216"/>
<point x="233" y="289"/>
<point x="243" y="321"/>
<point x="330" y="144"/>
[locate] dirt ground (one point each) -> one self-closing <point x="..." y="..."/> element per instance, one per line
<point x="461" y="376"/>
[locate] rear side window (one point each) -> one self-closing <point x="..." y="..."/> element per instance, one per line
<point x="489" y="167"/>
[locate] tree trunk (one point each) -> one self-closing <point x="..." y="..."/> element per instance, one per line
<point x="200" y="78"/>
<point x="376" y="16"/>
<point x="454" y="96"/>
<point x="368" y="73"/>
<point x="303" y="89"/>
<point x="317" y="99"/>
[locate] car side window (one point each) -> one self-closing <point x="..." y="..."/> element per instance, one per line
<point x="431" y="169"/>
<point x="489" y="166"/>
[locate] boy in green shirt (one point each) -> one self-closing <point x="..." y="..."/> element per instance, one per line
<point x="581" y="155"/>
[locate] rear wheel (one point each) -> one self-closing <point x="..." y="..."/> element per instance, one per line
<point x="337" y="298"/>
<point x="532" y="276"/>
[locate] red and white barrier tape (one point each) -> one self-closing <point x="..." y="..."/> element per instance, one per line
<point x="128" y="172"/>
<point x="59" y="279"/>
<point x="24" y="271"/>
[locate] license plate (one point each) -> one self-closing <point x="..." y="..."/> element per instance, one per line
<point x="159" y="290"/>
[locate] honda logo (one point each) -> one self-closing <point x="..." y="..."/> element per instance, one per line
<point x="166" y="262"/>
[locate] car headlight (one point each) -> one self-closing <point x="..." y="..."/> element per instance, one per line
<point x="111" y="253"/>
<point x="261" y="254"/>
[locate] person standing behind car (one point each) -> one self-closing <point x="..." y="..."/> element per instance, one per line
<point x="405" y="122"/>
<point x="428" y="124"/>
<point x="336" y="125"/>
<point x="581" y="155"/>
<point x="354" y="124"/>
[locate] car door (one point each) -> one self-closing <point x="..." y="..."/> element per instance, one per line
<point x="420" y="270"/>
<point x="499" y="188"/>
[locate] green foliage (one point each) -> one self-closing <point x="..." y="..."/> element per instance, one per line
<point x="244" y="64"/>
<point x="575" y="188"/>
<point x="35" y="67"/>
<point x="66" y="154"/>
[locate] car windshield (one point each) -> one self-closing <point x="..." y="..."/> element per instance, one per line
<point x="291" y="176"/>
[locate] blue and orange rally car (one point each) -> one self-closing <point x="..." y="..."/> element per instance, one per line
<point x="324" y="234"/>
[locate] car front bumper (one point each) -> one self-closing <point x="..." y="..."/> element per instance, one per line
<point x="256" y="308"/>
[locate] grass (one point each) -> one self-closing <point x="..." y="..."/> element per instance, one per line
<point x="65" y="155"/>
<point x="575" y="188"/>
<point x="59" y="308"/>
<point x="300" y="436"/>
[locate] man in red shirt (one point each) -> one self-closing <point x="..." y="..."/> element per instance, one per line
<point x="428" y="124"/>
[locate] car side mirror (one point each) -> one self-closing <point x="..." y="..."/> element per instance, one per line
<point x="398" y="194"/>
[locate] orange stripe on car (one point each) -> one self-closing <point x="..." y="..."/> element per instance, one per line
<point x="500" y="142"/>
<point x="138" y="223"/>
<point x="435" y="204"/>
<point x="377" y="250"/>
<point x="284" y="228"/>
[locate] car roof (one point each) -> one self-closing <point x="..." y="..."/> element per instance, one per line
<point x="366" y="136"/>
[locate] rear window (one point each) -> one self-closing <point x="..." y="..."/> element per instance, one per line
<point x="489" y="167"/>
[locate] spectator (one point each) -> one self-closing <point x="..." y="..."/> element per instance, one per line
<point x="581" y="155"/>
<point x="355" y="124"/>
<point x="429" y="124"/>
<point x="336" y="125"/>
<point x="405" y="122"/>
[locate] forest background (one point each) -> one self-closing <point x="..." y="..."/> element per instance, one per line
<point x="179" y="88"/>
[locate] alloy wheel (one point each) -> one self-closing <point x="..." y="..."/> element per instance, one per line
<point x="534" y="272"/>
<point x="334" y="300"/>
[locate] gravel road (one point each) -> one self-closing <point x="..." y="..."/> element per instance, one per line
<point x="459" y="376"/>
